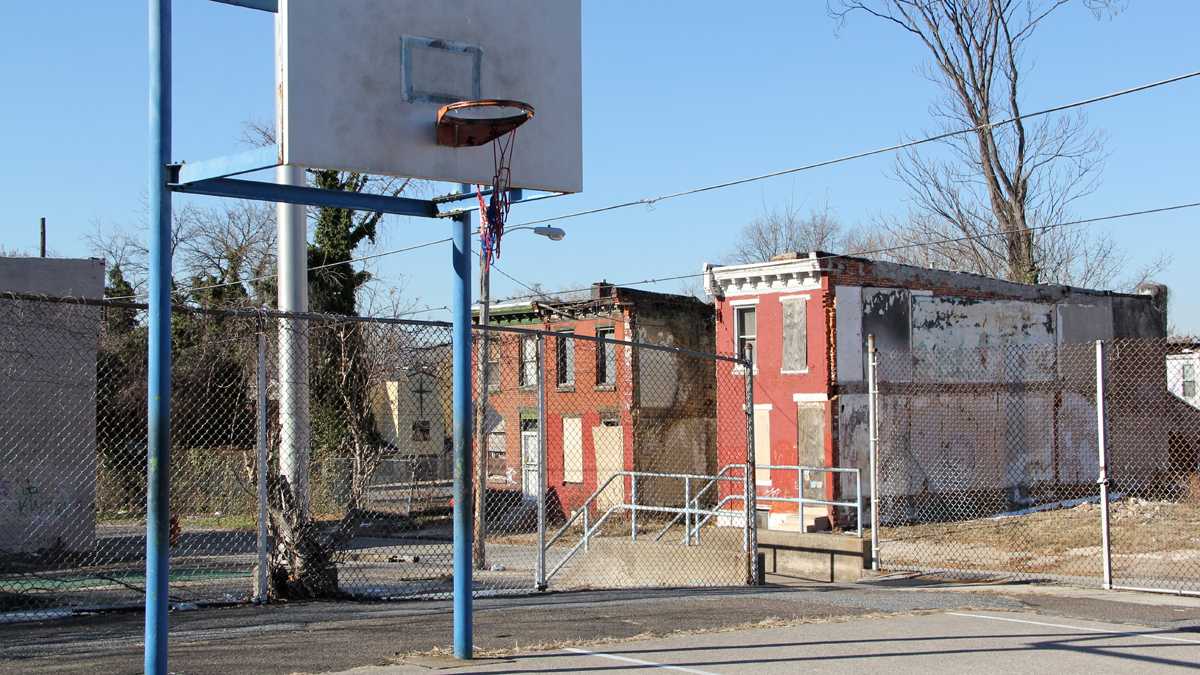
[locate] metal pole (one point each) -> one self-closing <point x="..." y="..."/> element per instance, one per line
<point x="800" y="496"/>
<point x="461" y="307"/>
<point x="858" y="501"/>
<point x="541" y="491"/>
<point x="482" y="412"/>
<point x="158" y="465"/>
<point x="633" y="514"/>
<point x="293" y="342"/>
<point x="749" y="481"/>
<point x="261" y="596"/>
<point x="872" y="447"/>
<point x="687" y="511"/>
<point x="43" y="231"/>
<point x="1102" y="447"/>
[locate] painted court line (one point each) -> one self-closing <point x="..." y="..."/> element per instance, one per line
<point x="626" y="659"/>
<point x="1151" y="636"/>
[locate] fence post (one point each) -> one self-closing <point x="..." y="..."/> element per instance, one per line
<point x="800" y="495"/>
<point x="751" y="523"/>
<point x="1102" y="448"/>
<point x="873" y="446"/>
<point x="633" y="514"/>
<point x="540" y="570"/>
<point x="687" y="511"/>
<point x="261" y="596"/>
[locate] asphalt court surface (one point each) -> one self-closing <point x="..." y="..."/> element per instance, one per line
<point x="945" y="642"/>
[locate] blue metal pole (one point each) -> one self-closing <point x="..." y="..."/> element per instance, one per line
<point x="159" y="378"/>
<point x="463" y="503"/>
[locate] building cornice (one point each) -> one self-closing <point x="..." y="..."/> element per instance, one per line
<point x="776" y="276"/>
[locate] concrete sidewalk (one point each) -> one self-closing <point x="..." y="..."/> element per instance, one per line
<point x="322" y="637"/>
<point x="945" y="642"/>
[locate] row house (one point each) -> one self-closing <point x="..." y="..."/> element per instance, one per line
<point x="609" y="407"/>
<point x="803" y="319"/>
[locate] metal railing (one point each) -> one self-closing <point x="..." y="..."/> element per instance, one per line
<point x="690" y="509"/>
<point x="800" y="500"/>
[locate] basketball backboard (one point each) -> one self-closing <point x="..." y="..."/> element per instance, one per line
<point x="361" y="81"/>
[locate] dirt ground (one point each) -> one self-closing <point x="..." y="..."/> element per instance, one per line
<point x="1155" y="543"/>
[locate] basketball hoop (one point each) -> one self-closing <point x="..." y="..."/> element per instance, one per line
<point x="473" y="123"/>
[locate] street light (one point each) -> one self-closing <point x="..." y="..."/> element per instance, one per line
<point x="551" y="233"/>
<point x="485" y="301"/>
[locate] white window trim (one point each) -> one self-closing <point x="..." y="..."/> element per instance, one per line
<point x="806" y="297"/>
<point x="738" y="369"/>
<point x="808" y="397"/>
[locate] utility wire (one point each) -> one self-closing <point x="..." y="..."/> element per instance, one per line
<point x="890" y="249"/>
<point x="651" y="201"/>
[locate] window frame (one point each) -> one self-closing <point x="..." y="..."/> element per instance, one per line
<point x="603" y="346"/>
<point x="1188" y="372"/>
<point x="564" y="352"/>
<point x="738" y="309"/>
<point x="527" y="373"/>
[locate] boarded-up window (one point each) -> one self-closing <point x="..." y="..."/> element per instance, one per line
<point x="762" y="445"/>
<point x="572" y="445"/>
<point x="795" y="334"/>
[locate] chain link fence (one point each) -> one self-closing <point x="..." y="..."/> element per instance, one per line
<point x="989" y="463"/>
<point x="639" y="483"/>
<point x="357" y="502"/>
<point x="1152" y="412"/>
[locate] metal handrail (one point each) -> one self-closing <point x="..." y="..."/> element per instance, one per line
<point x="696" y="498"/>
<point x="590" y="528"/>
<point x="800" y="499"/>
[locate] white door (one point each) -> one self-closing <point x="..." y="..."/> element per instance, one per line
<point x="529" y="463"/>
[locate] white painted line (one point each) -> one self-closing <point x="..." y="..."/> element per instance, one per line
<point x="639" y="662"/>
<point x="1152" y="636"/>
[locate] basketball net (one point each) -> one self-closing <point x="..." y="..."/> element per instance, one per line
<point x="494" y="212"/>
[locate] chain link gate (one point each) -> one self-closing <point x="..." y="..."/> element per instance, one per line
<point x="612" y="464"/>
<point x="358" y="504"/>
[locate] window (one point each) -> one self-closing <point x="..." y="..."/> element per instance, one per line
<point x="745" y="325"/>
<point x="1189" y="380"/>
<point x="572" y="447"/>
<point x="420" y="430"/>
<point x="493" y="362"/>
<point x="496" y="457"/>
<point x="795" y="335"/>
<point x="528" y="373"/>
<point x="606" y="358"/>
<point x="564" y="358"/>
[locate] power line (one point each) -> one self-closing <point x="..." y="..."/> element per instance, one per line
<point x="890" y="249"/>
<point x="651" y="201"/>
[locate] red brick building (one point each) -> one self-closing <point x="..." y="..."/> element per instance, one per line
<point x="805" y="318"/>
<point x="609" y="407"/>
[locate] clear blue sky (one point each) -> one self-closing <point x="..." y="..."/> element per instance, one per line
<point x="676" y="94"/>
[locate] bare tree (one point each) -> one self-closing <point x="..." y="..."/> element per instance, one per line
<point x="996" y="189"/>
<point x="231" y="247"/>
<point x="787" y="229"/>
